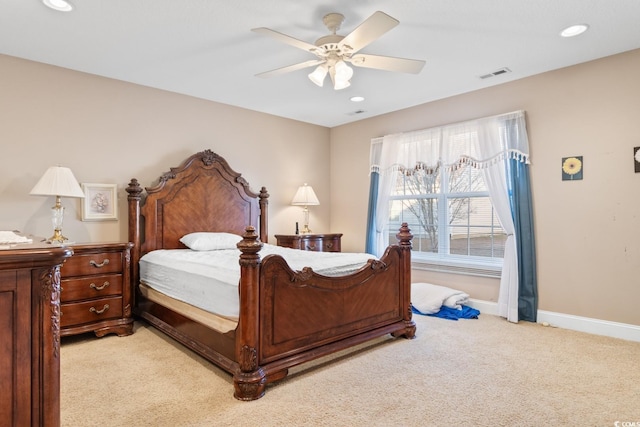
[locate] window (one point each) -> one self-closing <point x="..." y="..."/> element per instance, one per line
<point x="448" y="209"/>
<point x="464" y="190"/>
<point x="450" y="214"/>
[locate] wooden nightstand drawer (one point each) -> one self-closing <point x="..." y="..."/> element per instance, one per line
<point x="79" y="313"/>
<point x="90" y="287"/>
<point x="330" y="245"/>
<point x="95" y="263"/>
<point x="311" y="242"/>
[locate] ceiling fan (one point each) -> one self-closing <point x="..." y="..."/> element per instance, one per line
<point x="334" y="51"/>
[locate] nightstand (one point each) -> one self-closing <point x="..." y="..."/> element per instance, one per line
<point x="96" y="293"/>
<point x="311" y="242"/>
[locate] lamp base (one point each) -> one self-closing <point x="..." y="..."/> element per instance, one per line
<point x="306" y="229"/>
<point x="57" y="237"/>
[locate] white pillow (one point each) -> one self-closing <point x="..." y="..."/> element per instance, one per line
<point x="205" y="241"/>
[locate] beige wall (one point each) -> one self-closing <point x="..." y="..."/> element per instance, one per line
<point x="587" y="232"/>
<point x="108" y="131"/>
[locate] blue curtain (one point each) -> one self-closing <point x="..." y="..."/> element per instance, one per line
<point x="522" y="210"/>
<point x="370" y="244"/>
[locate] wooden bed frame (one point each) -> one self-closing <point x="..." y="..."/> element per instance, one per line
<point x="286" y="317"/>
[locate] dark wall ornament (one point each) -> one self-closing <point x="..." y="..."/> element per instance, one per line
<point x="636" y="158"/>
<point x="572" y="168"/>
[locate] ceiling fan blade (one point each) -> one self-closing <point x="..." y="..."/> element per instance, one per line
<point x="388" y="63"/>
<point x="288" y="69"/>
<point x="286" y="39"/>
<point x="372" y="28"/>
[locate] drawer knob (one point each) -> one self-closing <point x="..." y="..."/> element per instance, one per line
<point x="99" y="265"/>
<point x="99" y="288"/>
<point x="311" y="247"/>
<point x="105" y="308"/>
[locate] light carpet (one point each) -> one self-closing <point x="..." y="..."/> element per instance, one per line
<point x="476" y="372"/>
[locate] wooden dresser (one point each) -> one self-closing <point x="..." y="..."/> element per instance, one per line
<point x="96" y="291"/>
<point x="311" y="242"/>
<point x="30" y="334"/>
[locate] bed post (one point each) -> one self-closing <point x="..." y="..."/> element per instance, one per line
<point x="404" y="237"/>
<point x="249" y="380"/>
<point x="135" y="190"/>
<point x="264" y="232"/>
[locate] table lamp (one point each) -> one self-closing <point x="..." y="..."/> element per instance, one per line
<point x="57" y="181"/>
<point x="305" y="196"/>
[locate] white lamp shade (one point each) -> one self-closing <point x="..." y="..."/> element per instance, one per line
<point x="343" y="71"/>
<point x="58" y="181"/>
<point x="318" y="75"/>
<point x="341" y="84"/>
<point x="305" y="196"/>
<point x="343" y="74"/>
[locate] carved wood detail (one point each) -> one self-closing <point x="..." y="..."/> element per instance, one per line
<point x="50" y="280"/>
<point x="249" y="359"/>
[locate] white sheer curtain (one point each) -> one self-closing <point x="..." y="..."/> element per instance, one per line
<point x="483" y="144"/>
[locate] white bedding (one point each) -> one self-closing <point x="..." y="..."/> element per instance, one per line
<point x="428" y="298"/>
<point x="209" y="279"/>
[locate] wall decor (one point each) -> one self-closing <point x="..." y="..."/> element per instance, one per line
<point x="100" y="202"/>
<point x="572" y="168"/>
<point x="636" y="158"/>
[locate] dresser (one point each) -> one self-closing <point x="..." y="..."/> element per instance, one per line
<point x="311" y="242"/>
<point x="30" y="334"/>
<point x="96" y="293"/>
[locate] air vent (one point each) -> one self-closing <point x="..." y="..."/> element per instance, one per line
<point x="503" y="70"/>
<point x="356" y="112"/>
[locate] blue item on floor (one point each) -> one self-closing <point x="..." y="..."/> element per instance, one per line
<point x="452" y="313"/>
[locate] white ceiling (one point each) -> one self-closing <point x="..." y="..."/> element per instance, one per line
<point x="204" y="48"/>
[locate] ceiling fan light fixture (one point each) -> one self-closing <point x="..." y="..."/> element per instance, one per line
<point x="318" y="75"/>
<point x="334" y="51"/>
<point x="341" y="84"/>
<point x="343" y="71"/>
<point x="342" y="76"/>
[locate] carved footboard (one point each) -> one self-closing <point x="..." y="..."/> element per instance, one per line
<point x="303" y="310"/>
<point x="300" y="316"/>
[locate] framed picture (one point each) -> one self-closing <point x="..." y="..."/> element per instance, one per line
<point x="572" y="168"/>
<point x="100" y="202"/>
<point x="636" y="158"/>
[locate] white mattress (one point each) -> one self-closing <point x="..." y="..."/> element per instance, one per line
<point x="209" y="279"/>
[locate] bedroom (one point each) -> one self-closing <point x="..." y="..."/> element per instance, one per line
<point x="108" y="131"/>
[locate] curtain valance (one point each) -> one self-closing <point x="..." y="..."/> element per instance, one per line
<point x="478" y="143"/>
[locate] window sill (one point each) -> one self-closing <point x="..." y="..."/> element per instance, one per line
<point x="453" y="266"/>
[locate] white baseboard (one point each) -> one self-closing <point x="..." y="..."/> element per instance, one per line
<point x="575" y="323"/>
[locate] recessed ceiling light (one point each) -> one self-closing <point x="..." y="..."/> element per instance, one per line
<point x="574" y="30"/>
<point x="357" y="98"/>
<point x="60" y="5"/>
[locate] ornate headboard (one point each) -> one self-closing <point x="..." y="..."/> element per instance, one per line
<point x="202" y="194"/>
